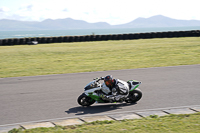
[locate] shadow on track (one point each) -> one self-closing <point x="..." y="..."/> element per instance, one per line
<point x="97" y="109"/>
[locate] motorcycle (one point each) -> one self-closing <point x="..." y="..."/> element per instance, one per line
<point x="91" y="93"/>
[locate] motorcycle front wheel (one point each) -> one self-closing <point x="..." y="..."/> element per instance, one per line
<point x="134" y="96"/>
<point x="84" y="100"/>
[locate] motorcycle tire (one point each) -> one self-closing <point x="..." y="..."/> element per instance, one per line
<point x="134" y="96"/>
<point x="84" y="100"/>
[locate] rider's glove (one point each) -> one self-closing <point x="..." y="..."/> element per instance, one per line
<point x="102" y="78"/>
<point x="102" y="96"/>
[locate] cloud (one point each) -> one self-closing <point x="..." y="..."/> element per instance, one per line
<point x="27" y="7"/>
<point x="111" y="11"/>
<point x="4" y="9"/>
<point x="4" y="12"/>
<point x="65" y="10"/>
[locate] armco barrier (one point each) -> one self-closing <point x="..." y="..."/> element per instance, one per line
<point x="60" y="39"/>
<point x="71" y="39"/>
<point x="40" y="40"/>
<point x="27" y="40"/>
<point x="4" y="42"/>
<point x="65" y="39"/>
<point x="22" y="41"/>
<point x="97" y="37"/>
<point x="54" y="39"/>
<point x="10" y="42"/>
<point x="81" y="38"/>
<point x="16" y="41"/>
<point x="49" y="40"/>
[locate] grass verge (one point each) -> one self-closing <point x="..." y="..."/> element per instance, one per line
<point x="59" y="58"/>
<point x="186" y="123"/>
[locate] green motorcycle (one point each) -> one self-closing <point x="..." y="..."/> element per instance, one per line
<point x="90" y="95"/>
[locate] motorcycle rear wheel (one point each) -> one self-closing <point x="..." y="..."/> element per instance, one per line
<point x="84" y="100"/>
<point x="134" y="96"/>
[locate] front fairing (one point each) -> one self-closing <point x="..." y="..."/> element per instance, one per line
<point x="91" y="85"/>
<point x="90" y="90"/>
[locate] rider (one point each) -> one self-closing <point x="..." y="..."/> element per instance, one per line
<point x="118" y="89"/>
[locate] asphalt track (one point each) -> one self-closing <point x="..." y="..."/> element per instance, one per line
<point x="25" y="99"/>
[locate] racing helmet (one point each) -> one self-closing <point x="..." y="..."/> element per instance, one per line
<point x="109" y="81"/>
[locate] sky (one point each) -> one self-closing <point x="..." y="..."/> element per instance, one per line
<point x="111" y="11"/>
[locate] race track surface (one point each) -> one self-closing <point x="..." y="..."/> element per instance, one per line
<point x="24" y="99"/>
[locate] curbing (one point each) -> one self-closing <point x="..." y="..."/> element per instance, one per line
<point x="180" y="111"/>
<point x="128" y="116"/>
<point x="148" y="113"/>
<point x="196" y="108"/>
<point x="36" y="125"/>
<point x="68" y="122"/>
<point x="117" y="116"/>
<point x="96" y="118"/>
<point x="5" y="129"/>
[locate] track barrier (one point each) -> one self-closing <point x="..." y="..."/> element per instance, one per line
<point x="87" y="38"/>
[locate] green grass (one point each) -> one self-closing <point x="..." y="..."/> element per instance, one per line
<point x="166" y="124"/>
<point x="59" y="58"/>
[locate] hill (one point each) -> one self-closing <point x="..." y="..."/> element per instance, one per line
<point x="68" y="23"/>
<point x="159" y="21"/>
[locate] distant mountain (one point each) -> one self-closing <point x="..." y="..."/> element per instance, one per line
<point x="159" y="21"/>
<point x="68" y="23"/>
<point x="6" y="24"/>
<point x="49" y="24"/>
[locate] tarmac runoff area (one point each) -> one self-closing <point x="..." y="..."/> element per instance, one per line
<point x="91" y="118"/>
